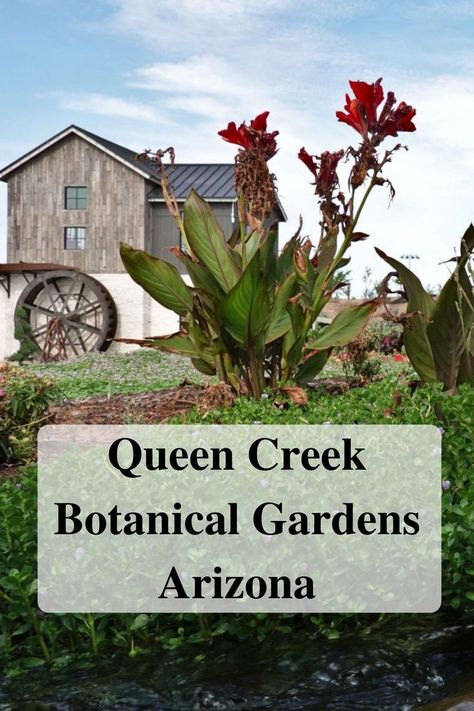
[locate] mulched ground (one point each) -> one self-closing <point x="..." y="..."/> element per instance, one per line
<point x="142" y="408"/>
<point x="154" y="407"/>
<point x="8" y="471"/>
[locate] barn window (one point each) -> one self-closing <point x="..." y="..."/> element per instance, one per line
<point x="76" y="197"/>
<point x="74" y="238"/>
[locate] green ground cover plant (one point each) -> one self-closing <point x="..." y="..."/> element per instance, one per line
<point x="120" y="373"/>
<point x="148" y="370"/>
<point x="29" y="638"/>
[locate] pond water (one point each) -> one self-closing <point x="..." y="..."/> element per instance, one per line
<point x="398" y="670"/>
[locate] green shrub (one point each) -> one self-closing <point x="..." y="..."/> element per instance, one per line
<point x="358" y="358"/>
<point x="24" y="400"/>
<point x="29" y="638"/>
<point x="23" y="333"/>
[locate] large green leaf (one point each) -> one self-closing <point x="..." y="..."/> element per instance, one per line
<point x="269" y="256"/>
<point x="466" y="368"/>
<point x="279" y="322"/>
<point x="451" y="324"/>
<point x="467" y="241"/>
<point x="159" y="279"/>
<point x="327" y="251"/>
<point x="344" y="328"/>
<point x="207" y="241"/>
<point x="252" y="243"/>
<point x="245" y="309"/>
<point x="420" y="305"/>
<point x="200" y="276"/>
<point x="204" y="346"/>
<point x="312" y="366"/>
<point x="178" y="342"/>
<point x="418" y="347"/>
<point x="446" y="336"/>
<point x="284" y="264"/>
<point x="295" y="337"/>
<point x="465" y="310"/>
<point x="203" y="367"/>
<point x="418" y="298"/>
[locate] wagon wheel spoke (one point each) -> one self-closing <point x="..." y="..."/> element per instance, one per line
<point x="65" y="297"/>
<point x="49" y="293"/>
<point x="66" y="332"/>
<point x="79" y="296"/>
<point x="40" y="331"/>
<point x="88" y="310"/>
<point x="40" y="309"/>
<point x="81" y="325"/>
<point x="79" y="337"/>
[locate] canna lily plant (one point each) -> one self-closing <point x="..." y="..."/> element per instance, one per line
<point x="248" y="313"/>
<point x="439" y="333"/>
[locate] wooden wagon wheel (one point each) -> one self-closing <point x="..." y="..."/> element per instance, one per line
<point x="72" y="308"/>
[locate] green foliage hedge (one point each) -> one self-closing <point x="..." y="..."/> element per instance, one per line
<point x="29" y="638"/>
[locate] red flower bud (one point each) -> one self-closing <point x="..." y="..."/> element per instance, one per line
<point x="324" y="169"/>
<point x="252" y="137"/>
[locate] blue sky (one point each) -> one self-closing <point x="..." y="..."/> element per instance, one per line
<point x="149" y="73"/>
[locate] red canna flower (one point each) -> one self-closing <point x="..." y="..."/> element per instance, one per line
<point x="370" y="96"/>
<point x="239" y="136"/>
<point x="361" y="112"/>
<point x="309" y="161"/>
<point x="252" y="137"/>
<point x="259" y="123"/>
<point x="403" y="117"/>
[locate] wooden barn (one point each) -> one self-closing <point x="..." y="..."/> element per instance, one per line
<point x="71" y="201"/>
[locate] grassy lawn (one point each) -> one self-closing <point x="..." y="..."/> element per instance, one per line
<point x="146" y="370"/>
<point x="143" y="370"/>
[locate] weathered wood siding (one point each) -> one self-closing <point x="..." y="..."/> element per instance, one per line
<point x="116" y="207"/>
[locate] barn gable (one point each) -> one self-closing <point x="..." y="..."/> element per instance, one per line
<point x="73" y="198"/>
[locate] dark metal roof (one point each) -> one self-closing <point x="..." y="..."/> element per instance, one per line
<point x="209" y="180"/>
<point x="213" y="181"/>
<point x="125" y="154"/>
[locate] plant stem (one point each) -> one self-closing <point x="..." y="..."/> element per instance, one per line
<point x="92" y="634"/>
<point x="36" y="625"/>
<point x="255" y="375"/>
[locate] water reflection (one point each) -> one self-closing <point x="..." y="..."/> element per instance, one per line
<point x="398" y="670"/>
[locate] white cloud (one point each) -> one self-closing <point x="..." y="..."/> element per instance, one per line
<point x="103" y="105"/>
<point x="196" y="74"/>
<point x="152" y="19"/>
